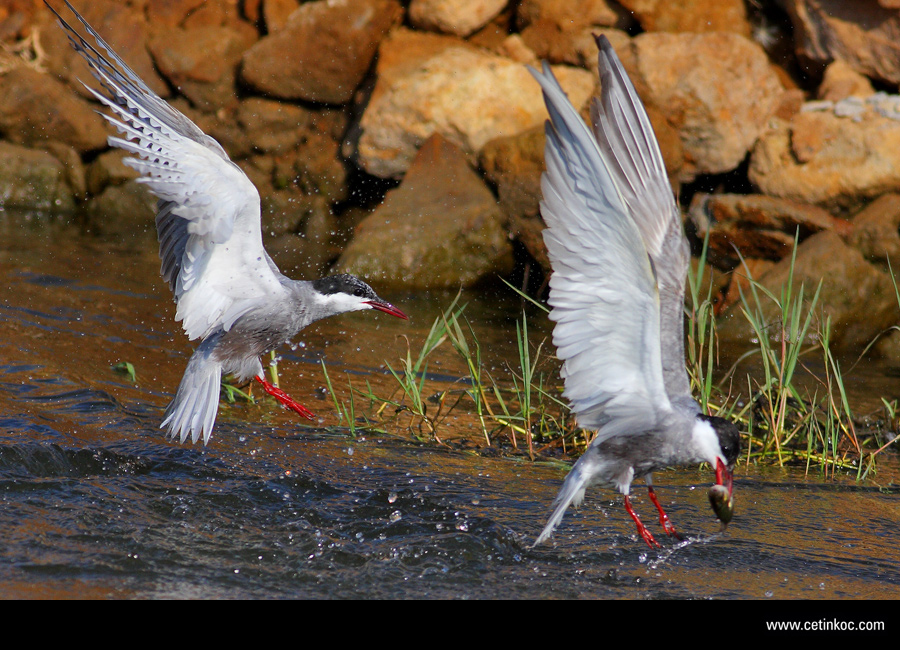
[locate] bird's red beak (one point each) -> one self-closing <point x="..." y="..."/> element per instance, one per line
<point x="724" y="477"/>
<point x="387" y="308"/>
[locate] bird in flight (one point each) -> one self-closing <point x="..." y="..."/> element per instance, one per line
<point x="619" y="259"/>
<point x="229" y="293"/>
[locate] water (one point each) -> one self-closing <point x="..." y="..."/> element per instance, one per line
<point x="95" y="503"/>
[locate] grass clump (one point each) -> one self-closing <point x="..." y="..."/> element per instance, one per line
<point x="794" y="408"/>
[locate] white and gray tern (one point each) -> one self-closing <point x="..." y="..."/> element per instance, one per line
<point x="620" y="259"/>
<point x="229" y="292"/>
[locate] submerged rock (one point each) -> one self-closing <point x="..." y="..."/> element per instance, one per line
<point x="125" y="211"/>
<point x="33" y="180"/>
<point x="442" y="228"/>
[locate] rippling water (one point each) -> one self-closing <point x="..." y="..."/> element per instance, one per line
<point x="95" y="503"/>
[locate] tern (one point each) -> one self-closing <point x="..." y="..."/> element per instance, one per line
<point x="619" y="262"/>
<point x="228" y="291"/>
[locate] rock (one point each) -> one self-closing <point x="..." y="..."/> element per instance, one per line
<point x="276" y="127"/>
<point x="276" y="13"/>
<point x="320" y="55"/>
<point x="492" y="34"/>
<point x="215" y="14"/>
<point x="762" y="227"/>
<point x="36" y="108"/>
<point x="305" y="251"/>
<point x="16" y="19"/>
<point x="33" y="180"/>
<point x="864" y="34"/>
<point x="171" y="13"/>
<point x="315" y="168"/>
<point x="876" y="231"/>
<point x="693" y="16"/>
<point x="888" y="347"/>
<point x="74" y="169"/>
<point x="858" y="297"/>
<point x="571" y="15"/>
<point x="469" y="97"/>
<point x="272" y="126"/>
<point x="202" y="63"/>
<point x="557" y="44"/>
<point x="842" y="81"/>
<point x="108" y="169"/>
<point x="791" y="103"/>
<point x="123" y="211"/>
<point x="222" y="126"/>
<point x="513" y="47"/>
<point x="739" y="282"/>
<point x="442" y="228"/>
<point x="303" y="147"/>
<point x="405" y="51"/>
<point x="839" y="163"/>
<point x="514" y="165"/>
<point x="716" y="89"/>
<point x="460" y="17"/>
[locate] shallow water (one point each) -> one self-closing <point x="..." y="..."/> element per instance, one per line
<point x="95" y="503"/>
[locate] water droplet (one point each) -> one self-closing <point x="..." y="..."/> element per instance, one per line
<point x="395" y="516"/>
<point x="392" y="497"/>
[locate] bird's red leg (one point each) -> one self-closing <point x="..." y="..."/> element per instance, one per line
<point x="663" y="517"/>
<point x="285" y="399"/>
<point x="651" y="542"/>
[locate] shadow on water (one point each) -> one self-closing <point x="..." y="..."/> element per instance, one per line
<point x="95" y="503"/>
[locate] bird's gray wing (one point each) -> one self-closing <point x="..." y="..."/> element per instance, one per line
<point x="209" y="212"/>
<point x="603" y="291"/>
<point x="629" y="147"/>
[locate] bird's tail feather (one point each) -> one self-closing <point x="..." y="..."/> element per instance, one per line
<point x="193" y="411"/>
<point x="571" y="493"/>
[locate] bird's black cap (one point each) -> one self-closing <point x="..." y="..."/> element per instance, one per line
<point x="344" y="283"/>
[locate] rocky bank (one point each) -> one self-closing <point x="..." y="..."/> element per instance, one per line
<point x="404" y="141"/>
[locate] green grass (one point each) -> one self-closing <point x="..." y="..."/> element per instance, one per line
<point x="787" y="412"/>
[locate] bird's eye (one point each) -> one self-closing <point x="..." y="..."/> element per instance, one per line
<point x="359" y="293"/>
